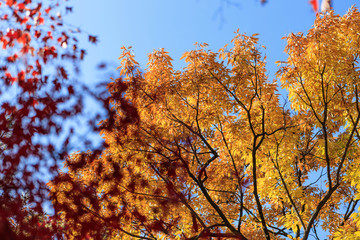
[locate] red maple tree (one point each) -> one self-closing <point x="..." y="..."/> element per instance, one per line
<point x="40" y="56"/>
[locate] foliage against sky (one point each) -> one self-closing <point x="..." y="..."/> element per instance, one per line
<point x="39" y="59"/>
<point x="208" y="150"/>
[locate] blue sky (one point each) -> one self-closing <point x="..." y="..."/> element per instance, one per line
<point x="177" y="24"/>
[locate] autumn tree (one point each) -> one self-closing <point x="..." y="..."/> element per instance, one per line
<point x="40" y="56"/>
<point x="209" y="151"/>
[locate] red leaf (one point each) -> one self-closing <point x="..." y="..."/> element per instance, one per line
<point x="21" y="75"/>
<point x="24" y="20"/>
<point x="315" y="5"/>
<point x="37" y="33"/>
<point x="35" y="102"/>
<point x="82" y="54"/>
<point x="93" y="39"/>
<point x="12" y="58"/>
<point x="48" y="10"/>
<point x="10" y="77"/>
<point x="41" y="21"/>
<point x="50" y="35"/>
<point x="63" y="73"/>
<point x="10" y="2"/>
<point x="71" y="90"/>
<point x="38" y="66"/>
<point x="68" y="9"/>
<point x="101" y="66"/>
<point x="21" y="6"/>
<point x="24" y="38"/>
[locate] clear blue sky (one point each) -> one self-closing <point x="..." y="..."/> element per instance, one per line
<point x="177" y="24"/>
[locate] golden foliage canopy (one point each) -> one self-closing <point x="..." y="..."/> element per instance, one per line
<point x="209" y="151"/>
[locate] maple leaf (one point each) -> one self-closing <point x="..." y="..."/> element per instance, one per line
<point x="21" y="6"/>
<point x="63" y="73"/>
<point x="315" y="5"/>
<point x="93" y="39"/>
<point x="68" y="9"/>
